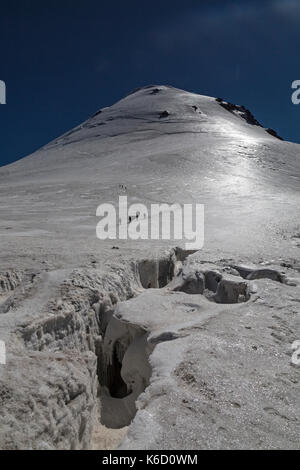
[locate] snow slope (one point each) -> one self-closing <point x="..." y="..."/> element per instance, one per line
<point x="247" y="179"/>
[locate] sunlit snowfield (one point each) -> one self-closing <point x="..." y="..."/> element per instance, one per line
<point x="200" y="153"/>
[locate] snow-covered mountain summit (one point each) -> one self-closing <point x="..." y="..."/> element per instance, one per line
<point x="167" y="110"/>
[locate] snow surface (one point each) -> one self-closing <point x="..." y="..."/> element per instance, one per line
<point x="225" y="365"/>
<point x="247" y="179"/>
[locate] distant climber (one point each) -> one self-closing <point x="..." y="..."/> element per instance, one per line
<point x="164" y="114"/>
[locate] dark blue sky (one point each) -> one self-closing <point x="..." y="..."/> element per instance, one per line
<point x="63" y="60"/>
